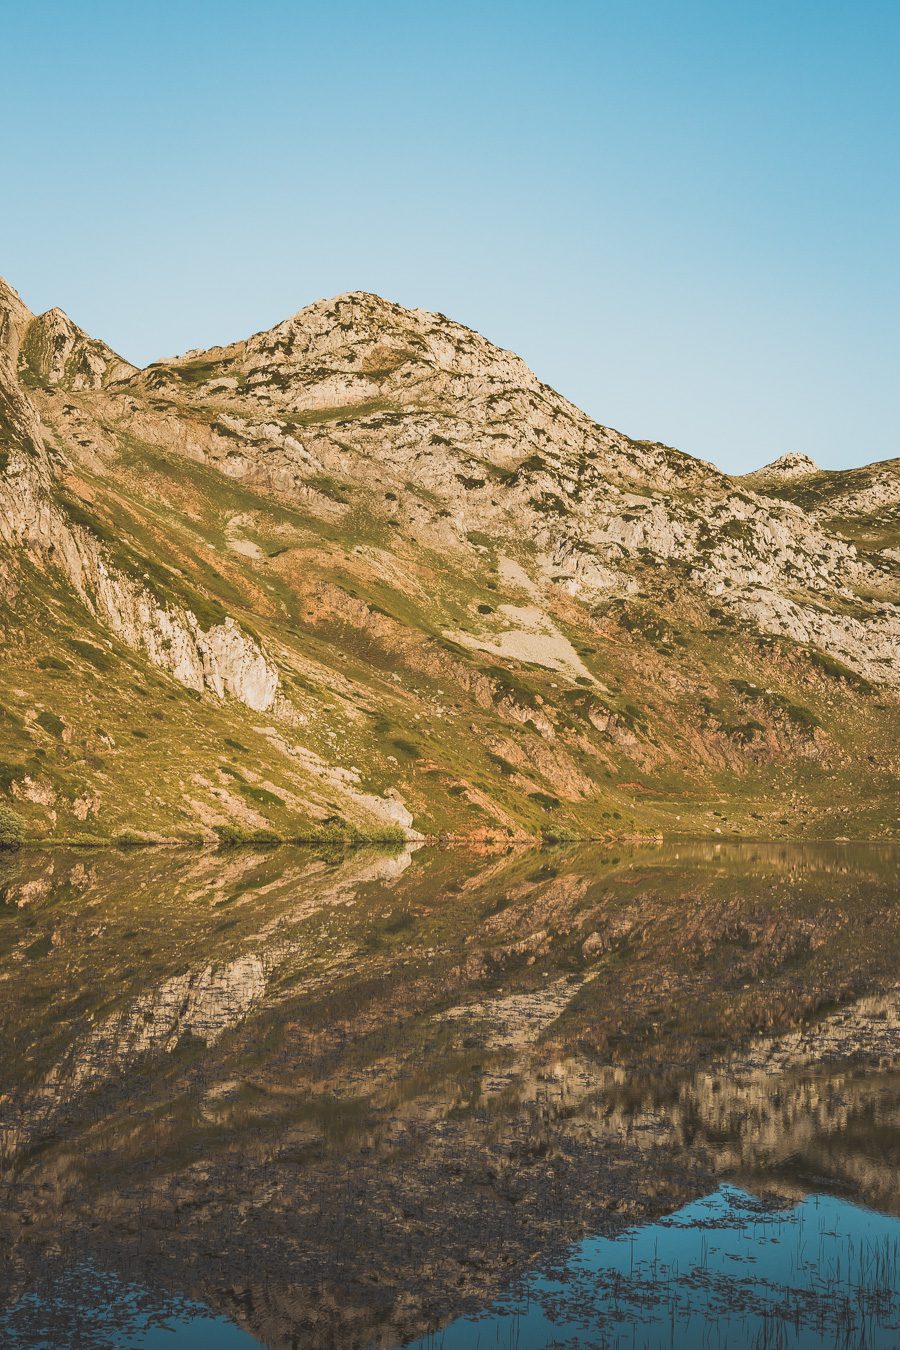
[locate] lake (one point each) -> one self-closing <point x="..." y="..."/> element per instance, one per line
<point x="636" y="1096"/>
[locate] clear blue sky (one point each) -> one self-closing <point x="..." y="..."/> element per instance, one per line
<point x="684" y="215"/>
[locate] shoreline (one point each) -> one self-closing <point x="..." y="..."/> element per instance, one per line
<point x="265" y="841"/>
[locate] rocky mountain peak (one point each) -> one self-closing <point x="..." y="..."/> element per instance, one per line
<point x="50" y="350"/>
<point x="792" y="465"/>
<point x="15" y="316"/>
<point x="376" y="343"/>
<point x="427" y="380"/>
<point x="55" y="351"/>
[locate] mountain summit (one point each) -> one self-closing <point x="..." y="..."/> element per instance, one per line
<point x="792" y="465"/>
<point x="50" y="350"/>
<point x="365" y="570"/>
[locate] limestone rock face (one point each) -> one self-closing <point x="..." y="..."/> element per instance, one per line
<point x="50" y="349"/>
<point x="235" y="665"/>
<point x="15" y="316"/>
<point x="56" y="351"/>
<point x="221" y="659"/>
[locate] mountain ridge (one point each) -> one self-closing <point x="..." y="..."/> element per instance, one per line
<point x="790" y="463"/>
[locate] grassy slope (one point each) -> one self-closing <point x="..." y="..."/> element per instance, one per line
<point x="694" y="746"/>
<point x="684" y="722"/>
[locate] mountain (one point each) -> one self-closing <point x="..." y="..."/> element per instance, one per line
<point x="365" y="571"/>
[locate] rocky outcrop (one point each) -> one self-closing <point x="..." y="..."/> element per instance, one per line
<point x="221" y="659"/>
<point x="55" y="351"/>
<point x="15" y="316"/>
<point x="49" y="349"/>
<point x="790" y="466"/>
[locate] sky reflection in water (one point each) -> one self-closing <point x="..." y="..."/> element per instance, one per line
<point x="725" y="1270"/>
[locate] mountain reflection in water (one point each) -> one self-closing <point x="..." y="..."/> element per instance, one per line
<point x="346" y="1103"/>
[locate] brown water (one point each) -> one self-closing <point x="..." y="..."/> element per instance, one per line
<point x="295" y="1101"/>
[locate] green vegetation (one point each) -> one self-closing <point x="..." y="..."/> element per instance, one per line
<point x="12" y="829"/>
<point x="406" y="748"/>
<point x="329" y="836"/>
<point x="132" y="839"/>
<point x="328" y="487"/>
<point x="51" y="723"/>
<point x="341" y="835"/>
<point x="263" y="796"/>
<point x="232" y="836"/>
<point x="559" y="835"/>
<point x="101" y="660"/>
<point x="198" y="372"/>
<point x="545" y="800"/>
<point x="836" y="670"/>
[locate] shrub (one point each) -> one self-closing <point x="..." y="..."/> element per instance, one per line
<point x="12" y="828"/>
<point x="51" y="723"/>
<point x="558" y="834"/>
<point x="232" y="836"/>
<point x="337" y="833"/>
<point x="406" y="748"/>
<point x="8" y="773"/>
<point x="334" y="832"/>
<point x="261" y="795"/>
<point x="131" y="839"/>
<point x="545" y="799"/>
<point x="387" y="834"/>
<point x="502" y="764"/>
<point x="95" y="655"/>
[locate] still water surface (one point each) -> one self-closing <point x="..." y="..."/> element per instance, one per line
<point x="576" y="1097"/>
